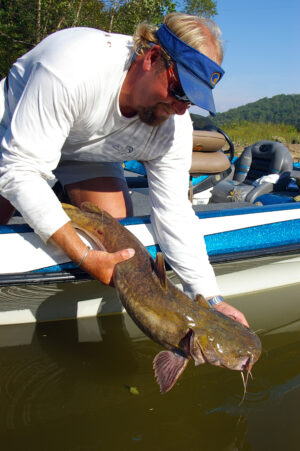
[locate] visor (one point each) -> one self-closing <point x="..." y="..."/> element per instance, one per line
<point x="198" y="74"/>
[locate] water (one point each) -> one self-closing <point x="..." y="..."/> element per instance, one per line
<point x="88" y="385"/>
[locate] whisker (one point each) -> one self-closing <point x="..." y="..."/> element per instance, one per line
<point x="259" y="330"/>
<point x="245" y="388"/>
<point x="245" y="381"/>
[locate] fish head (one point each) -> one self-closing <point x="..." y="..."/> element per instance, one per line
<point x="225" y="343"/>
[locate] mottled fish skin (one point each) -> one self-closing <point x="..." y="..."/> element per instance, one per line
<point x="187" y="328"/>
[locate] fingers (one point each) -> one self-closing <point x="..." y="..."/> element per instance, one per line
<point x="122" y="255"/>
<point x="240" y="318"/>
<point x="232" y="312"/>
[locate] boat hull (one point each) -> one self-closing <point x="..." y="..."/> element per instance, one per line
<point x="252" y="249"/>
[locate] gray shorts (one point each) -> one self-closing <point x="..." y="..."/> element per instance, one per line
<point x="70" y="171"/>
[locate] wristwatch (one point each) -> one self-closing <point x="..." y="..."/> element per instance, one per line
<point x="215" y="300"/>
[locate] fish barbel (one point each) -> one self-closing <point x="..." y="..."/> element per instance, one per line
<point x="187" y="329"/>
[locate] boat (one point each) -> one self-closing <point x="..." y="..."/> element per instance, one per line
<point x="251" y="229"/>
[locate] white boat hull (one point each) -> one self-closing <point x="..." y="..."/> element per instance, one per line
<point x="31" y="272"/>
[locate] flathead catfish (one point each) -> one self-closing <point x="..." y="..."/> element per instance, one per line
<point x="187" y="329"/>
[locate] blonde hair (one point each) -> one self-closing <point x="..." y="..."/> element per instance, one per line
<point x="199" y="32"/>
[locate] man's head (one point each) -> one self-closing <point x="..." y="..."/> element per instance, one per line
<point x="190" y="51"/>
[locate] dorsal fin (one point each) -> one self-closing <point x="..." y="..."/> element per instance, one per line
<point x="199" y="299"/>
<point x="161" y="270"/>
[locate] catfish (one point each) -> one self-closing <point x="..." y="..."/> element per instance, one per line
<point x="187" y="329"/>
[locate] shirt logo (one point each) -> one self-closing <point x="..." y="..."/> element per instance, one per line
<point x="123" y="150"/>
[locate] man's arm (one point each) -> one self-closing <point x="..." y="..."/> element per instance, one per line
<point x="176" y="226"/>
<point x="98" y="264"/>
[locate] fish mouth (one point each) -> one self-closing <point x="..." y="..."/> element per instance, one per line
<point x="238" y="360"/>
<point x="200" y="356"/>
<point x="246" y="365"/>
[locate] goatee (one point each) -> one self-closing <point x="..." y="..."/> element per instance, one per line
<point x="148" y="116"/>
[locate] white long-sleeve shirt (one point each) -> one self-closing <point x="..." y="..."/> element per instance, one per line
<point x="63" y="103"/>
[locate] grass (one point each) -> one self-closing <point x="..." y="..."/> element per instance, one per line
<point x="245" y="133"/>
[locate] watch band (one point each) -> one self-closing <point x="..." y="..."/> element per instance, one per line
<point x="215" y="300"/>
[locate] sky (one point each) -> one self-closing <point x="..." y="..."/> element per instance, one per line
<point x="261" y="41"/>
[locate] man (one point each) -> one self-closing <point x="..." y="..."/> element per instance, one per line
<point x="83" y="101"/>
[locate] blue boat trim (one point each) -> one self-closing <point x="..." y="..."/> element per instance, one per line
<point x="265" y="236"/>
<point x="15" y="228"/>
<point x="135" y="220"/>
<point x="247" y="210"/>
<point x="268" y="236"/>
<point x="222" y="213"/>
<point x="71" y="265"/>
<point x="56" y="268"/>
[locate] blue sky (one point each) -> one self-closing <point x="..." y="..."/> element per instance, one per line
<point x="262" y="56"/>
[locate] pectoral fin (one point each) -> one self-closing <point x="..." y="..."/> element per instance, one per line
<point x="168" y="366"/>
<point x="160" y="270"/>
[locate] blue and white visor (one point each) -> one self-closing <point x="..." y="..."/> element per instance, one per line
<point x="198" y="74"/>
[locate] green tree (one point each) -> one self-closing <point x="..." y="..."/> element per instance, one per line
<point x="207" y="8"/>
<point x="128" y="14"/>
<point x="280" y="109"/>
<point x="24" y="23"/>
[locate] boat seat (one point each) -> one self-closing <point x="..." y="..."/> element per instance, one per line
<point x="255" y="172"/>
<point x="207" y="157"/>
<point x="210" y="164"/>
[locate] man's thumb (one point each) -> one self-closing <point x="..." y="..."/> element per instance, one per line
<point x="124" y="254"/>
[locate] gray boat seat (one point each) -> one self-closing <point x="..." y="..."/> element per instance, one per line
<point x="261" y="159"/>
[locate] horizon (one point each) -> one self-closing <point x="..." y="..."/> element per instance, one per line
<point x="200" y="112"/>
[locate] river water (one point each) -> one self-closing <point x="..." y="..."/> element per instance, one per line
<point x="88" y="385"/>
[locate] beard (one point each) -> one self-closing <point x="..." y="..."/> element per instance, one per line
<point x="150" y="117"/>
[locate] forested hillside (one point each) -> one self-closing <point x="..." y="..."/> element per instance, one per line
<point x="280" y="109"/>
<point x="275" y="119"/>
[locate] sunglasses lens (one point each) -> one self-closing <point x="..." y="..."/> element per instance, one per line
<point x="175" y="87"/>
<point x="179" y="94"/>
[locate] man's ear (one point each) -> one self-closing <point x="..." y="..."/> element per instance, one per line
<point x="151" y="57"/>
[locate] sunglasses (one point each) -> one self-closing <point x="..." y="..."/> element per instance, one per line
<point x="175" y="88"/>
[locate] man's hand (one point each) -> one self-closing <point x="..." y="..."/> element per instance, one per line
<point x="98" y="264"/>
<point x="232" y="312"/>
<point x="101" y="265"/>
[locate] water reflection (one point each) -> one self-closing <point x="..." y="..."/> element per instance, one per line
<point x="68" y="389"/>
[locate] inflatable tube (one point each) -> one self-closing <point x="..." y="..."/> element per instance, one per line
<point x="207" y="141"/>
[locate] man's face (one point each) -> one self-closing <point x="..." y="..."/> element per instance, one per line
<point x="157" y="102"/>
